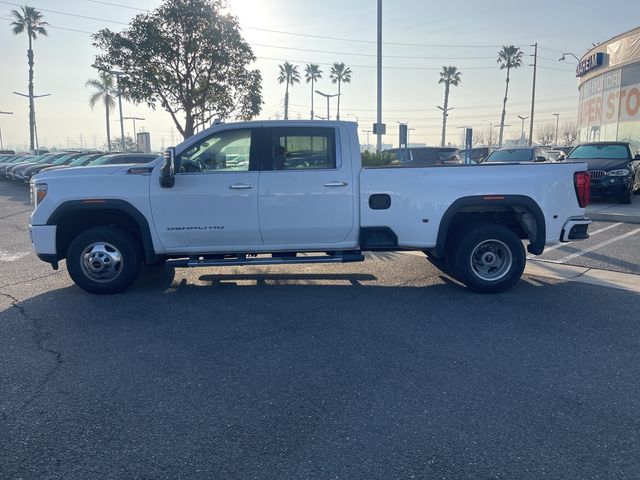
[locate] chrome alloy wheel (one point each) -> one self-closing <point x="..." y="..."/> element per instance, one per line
<point x="101" y="262"/>
<point x="491" y="260"/>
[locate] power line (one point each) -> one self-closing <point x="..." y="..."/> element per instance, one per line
<point x="118" y="5"/>
<point x="69" y="14"/>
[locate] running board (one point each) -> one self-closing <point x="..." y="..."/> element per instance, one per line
<point x="242" y="260"/>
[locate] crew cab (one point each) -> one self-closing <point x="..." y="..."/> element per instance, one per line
<point x="276" y="192"/>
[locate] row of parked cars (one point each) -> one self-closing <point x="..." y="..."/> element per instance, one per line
<point x="22" y="167"/>
<point x="614" y="167"/>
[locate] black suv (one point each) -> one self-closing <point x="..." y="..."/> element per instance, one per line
<point x="614" y="168"/>
<point x="427" y="156"/>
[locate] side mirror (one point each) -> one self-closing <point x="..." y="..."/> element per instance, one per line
<point x="637" y="156"/>
<point x="168" y="171"/>
<point x="541" y="159"/>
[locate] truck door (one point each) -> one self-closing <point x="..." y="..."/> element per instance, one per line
<point x="214" y="203"/>
<point x="306" y="193"/>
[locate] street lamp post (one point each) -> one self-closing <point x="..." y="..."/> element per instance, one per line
<point x="564" y="57"/>
<point x="379" y="80"/>
<point x="328" y="97"/>
<point x="135" y="136"/>
<point x="3" y="113"/>
<point x="522" y="133"/>
<point x="119" y="74"/>
<point x="557" y="115"/>
<point x="33" y="110"/>
<point x="368" y="132"/>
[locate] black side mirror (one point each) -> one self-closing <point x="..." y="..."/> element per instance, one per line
<point x="168" y="172"/>
<point x="637" y="156"/>
<point x="541" y="159"/>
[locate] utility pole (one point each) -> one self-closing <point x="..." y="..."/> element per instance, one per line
<point x="379" y="116"/>
<point x="31" y="98"/>
<point x="3" y="113"/>
<point x="368" y="132"/>
<point x="445" y="114"/>
<point x="533" y="92"/>
<point x="557" y="115"/>
<point x="522" y="137"/>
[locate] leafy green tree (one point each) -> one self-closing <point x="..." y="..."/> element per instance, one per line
<point x="30" y="20"/>
<point x="103" y="92"/>
<point x="449" y="76"/>
<point x="509" y="57"/>
<point x="130" y="144"/>
<point x="289" y="75"/>
<point x="340" y="74"/>
<point x="189" y="57"/>
<point x="312" y="73"/>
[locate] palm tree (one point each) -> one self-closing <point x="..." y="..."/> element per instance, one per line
<point x="312" y="73"/>
<point x="29" y="19"/>
<point x="340" y="74"/>
<point x="508" y="58"/>
<point x="449" y="76"/>
<point x="104" y="92"/>
<point x="289" y="75"/>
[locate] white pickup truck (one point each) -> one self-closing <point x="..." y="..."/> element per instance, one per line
<point x="260" y="193"/>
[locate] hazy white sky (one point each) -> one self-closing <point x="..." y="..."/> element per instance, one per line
<point x="465" y="33"/>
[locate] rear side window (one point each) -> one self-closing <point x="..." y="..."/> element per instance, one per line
<point x="510" y="156"/>
<point x="614" y="152"/>
<point x="300" y="148"/>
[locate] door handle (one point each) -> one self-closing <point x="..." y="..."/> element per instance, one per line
<point x="336" y="184"/>
<point x="240" y="186"/>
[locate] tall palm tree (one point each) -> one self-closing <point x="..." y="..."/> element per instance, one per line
<point x="30" y="20"/>
<point x="104" y="92"/>
<point x="312" y="73"/>
<point x="340" y="74"/>
<point x="289" y="75"/>
<point x="449" y="76"/>
<point x="508" y="58"/>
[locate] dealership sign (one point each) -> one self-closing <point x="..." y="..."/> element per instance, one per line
<point x="589" y="63"/>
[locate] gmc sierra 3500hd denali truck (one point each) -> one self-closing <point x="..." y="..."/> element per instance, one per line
<point x="279" y="192"/>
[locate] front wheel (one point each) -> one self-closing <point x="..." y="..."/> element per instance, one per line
<point x="489" y="258"/>
<point x="103" y="260"/>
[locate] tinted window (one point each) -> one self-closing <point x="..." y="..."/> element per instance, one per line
<point x="227" y="151"/>
<point x="301" y="148"/>
<point x="510" y="156"/>
<point x="617" y="152"/>
<point x="434" y="157"/>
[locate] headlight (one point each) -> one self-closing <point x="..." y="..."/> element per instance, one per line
<point x="622" y="172"/>
<point x="38" y="192"/>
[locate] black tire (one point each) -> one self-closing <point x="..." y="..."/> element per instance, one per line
<point x="626" y="197"/>
<point x="104" y="246"/>
<point x="488" y="258"/>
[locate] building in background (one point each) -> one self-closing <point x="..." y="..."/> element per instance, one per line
<point x="609" y="88"/>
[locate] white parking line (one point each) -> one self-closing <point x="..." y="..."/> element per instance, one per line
<point x="591" y="234"/>
<point x="600" y="245"/>
<point x="12" y="257"/>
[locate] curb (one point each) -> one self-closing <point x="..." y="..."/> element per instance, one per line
<point x="602" y="278"/>
<point x="614" y="217"/>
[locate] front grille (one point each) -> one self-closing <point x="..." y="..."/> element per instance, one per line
<point x="597" y="174"/>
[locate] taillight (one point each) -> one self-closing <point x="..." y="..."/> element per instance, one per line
<point x="582" y="182"/>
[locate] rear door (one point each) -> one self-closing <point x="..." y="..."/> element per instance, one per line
<point x="306" y="193"/>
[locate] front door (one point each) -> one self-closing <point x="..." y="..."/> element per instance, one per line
<point x="306" y="193"/>
<point x="214" y="203"/>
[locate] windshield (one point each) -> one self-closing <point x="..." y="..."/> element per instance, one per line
<point x="78" y="162"/>
<point x="516" y="155"/>
<point x="612" y="152"/>
<point x="61" y="160"/>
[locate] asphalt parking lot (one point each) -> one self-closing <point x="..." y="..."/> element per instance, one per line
<point x="385" y="369"/>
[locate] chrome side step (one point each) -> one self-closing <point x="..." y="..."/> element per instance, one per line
<point x="243" y="260"/>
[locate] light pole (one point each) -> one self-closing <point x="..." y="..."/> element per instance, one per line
<point x="522" y="138"/>
<point x="135" y="136"/>
<point x="319" y="117"/>
<point x="379" y="78"/>
<point x="31" y="98"/>
<point x="119" y="74"/>
<point x="557" y="115"/>
<point x="490" y="132"/>
<point x="445" y="115"/>
<point x="328" y="97"/>
<point x="564" y="57"/>
<point x="368" y="132"/>
<point x="3" y="113"/>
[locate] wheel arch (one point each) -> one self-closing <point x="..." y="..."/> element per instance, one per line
<point x="75" y="216"/>
<point x="523" y="209"/>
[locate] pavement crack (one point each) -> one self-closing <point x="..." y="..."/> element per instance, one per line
<point x="39" y="338"/>
<point x="31" y="279"/>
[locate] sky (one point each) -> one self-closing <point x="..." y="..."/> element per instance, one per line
<point x="419" y="36"/>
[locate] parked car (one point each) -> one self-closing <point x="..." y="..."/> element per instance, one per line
<point x="477" y="155"/>
<point x="427" y="156"/>
<point x="123" y="159"/>
<point x="17" y="172"/>
<point x="518" y="154"/>
<point x="35" y="169"/>
<point x="82" y="161"/>
<point x="31" y="160"/>
<point x="614" y="168"/>
<point x="11" y="160"/>
<point x="322" y="207"/>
